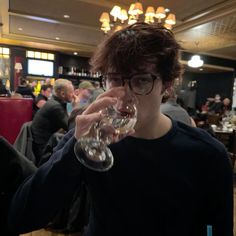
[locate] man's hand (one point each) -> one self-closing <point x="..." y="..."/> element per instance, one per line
<point x="92" y="114"/>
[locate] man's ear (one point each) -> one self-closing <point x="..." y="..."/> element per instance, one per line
<point x="62" y="94"/>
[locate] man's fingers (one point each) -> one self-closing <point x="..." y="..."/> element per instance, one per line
<point x="113" y="92"/>
<point x="100" y="104"/>
<point x="84" y="123"/>
<point x="89" y="118"/>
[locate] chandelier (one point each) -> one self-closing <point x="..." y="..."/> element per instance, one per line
<point x="120" y="17"/>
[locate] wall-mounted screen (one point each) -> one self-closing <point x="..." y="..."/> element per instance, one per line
<point x="40" y="67"/>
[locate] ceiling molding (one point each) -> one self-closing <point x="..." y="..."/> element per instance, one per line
<point x="210" y="14"/>
<point x="52" y="20"/>
<point x="87" y="47"/>
<point x="103" y="3"/>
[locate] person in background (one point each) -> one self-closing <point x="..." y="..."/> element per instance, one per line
<point x="51" y="117"/>
<point x="75" y="99"/>
<point x="226" y="108"/>
<point x="3" y="91"/>
<point x="45" y="93"/>
<point x="24" y="89"/>
<point x="82" y="96"/>
<point x="72" y="117"/>
<point x="86" y="89"/>
<point x="33" y="85"/>
<point x="216" y="106"/>
<point x="168" y="178"/>
<point x="174" y="110"/>
<point x="97" y="90"/>
<point x="48" y="81"/>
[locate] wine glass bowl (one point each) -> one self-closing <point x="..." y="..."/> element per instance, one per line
<point x="117" y="121"/>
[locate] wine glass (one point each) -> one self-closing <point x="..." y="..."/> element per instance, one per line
<point x="117" y="121"/>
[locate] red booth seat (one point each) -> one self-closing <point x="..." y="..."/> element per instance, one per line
<point x="14" y="112"/>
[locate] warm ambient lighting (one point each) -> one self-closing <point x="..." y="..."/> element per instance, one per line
<point x="134" y="14"/>
<point x="195" y="61"/>
<point x="18" y="67"/>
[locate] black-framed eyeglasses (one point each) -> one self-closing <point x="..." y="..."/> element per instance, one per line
<point x="140" y="84"/>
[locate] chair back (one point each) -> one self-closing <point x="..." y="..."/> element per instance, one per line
<point x="13" y="114"/>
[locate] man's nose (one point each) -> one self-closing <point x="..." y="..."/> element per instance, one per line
<point x="128" y="95"/>
<point x="126" y="84"/>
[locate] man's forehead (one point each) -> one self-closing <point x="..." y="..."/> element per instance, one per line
<point x="143" y="68"/>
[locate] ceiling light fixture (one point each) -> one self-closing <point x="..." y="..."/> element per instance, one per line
<point x="195" y="60"/>
<point x="66" y="16"/>
<point x="75" y="53"/>
<point x="57" y="38"/>
<point x="135" y="14"/>
<point x="20" y="29"/>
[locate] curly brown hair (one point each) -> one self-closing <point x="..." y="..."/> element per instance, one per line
<point x="137" y="46"/>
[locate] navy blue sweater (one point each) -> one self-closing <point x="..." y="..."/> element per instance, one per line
<point x="174" y="185"/>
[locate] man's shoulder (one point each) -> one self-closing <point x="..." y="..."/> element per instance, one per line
<point x="53" y="104"/>
<point x="49" y="108"/>
<point x="199" y="138"/>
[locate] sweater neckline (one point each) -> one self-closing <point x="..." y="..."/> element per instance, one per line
<point x="161" y="139"/>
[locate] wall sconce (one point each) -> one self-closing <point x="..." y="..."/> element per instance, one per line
<point x="18" y="67"/>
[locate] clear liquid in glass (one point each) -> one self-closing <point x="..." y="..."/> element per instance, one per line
<point x="91" y="150"/>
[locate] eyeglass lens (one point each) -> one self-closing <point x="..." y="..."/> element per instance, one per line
<point x="139" y="83"/>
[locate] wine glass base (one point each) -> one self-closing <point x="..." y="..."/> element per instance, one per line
<point x="93" y="154"/>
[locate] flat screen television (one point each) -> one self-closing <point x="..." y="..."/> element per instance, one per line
<point x="40" y="67"/>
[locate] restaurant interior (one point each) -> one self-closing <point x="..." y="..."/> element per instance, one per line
<point x="60" y="36"/>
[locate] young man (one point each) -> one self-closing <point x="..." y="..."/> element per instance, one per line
<point x="167" y="179"/>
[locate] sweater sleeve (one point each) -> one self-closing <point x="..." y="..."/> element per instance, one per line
<point x="220" y="197"/>
<point x="40" y="196"/>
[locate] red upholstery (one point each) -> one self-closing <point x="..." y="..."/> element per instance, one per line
<point x="13" y="113"/>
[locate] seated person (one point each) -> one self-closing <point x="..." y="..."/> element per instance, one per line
<point x="168" y="178"/>
<point x="82" y="96"/>
<point x="216" y="106"/>
<point x="51" y="117"/>
<point x="24" y="89"/>
<point x="226" y="106"/>
<point x="174" y="110"/>
<point x="3" y="90"/>
<point x="45" y="93"/>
